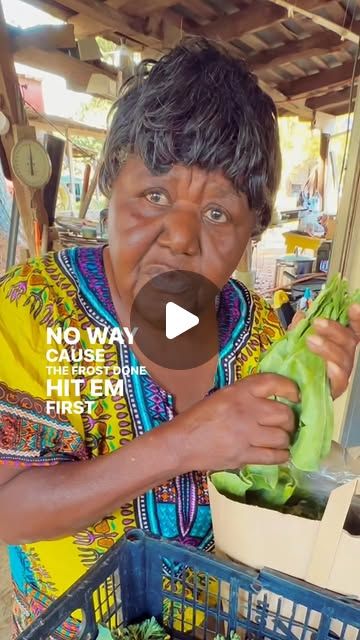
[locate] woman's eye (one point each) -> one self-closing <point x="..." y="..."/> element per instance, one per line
<point x="216" y="215"/>
<point x="157" y="197"/>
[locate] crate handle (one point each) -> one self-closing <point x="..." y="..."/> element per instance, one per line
<point x="330" y="530"/>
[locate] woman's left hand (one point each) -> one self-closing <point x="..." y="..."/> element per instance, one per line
<point x="337" y="346"/>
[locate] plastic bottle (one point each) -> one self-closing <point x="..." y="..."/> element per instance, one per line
<point x="306" y="300"/>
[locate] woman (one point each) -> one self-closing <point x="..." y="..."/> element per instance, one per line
<point x="191" y="166"/>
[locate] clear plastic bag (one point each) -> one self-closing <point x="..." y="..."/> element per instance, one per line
<point x="339" y="468"/>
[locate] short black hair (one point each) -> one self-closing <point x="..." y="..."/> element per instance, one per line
<point x="198" y="105"/>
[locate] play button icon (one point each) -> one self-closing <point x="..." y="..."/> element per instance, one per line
<point x="178" y="320"/>
<point x="174" y="313"/>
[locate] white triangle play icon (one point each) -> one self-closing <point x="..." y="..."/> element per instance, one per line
<point x="178" y="320"/>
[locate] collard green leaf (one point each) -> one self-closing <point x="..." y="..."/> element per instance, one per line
<point x="230" y="483"/>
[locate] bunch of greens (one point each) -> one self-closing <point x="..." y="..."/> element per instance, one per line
<point x="274" y="486"/>
<point x="151" y="630"/>
<point x="147" y="630"/>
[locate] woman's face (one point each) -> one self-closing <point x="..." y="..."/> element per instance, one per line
<point x="187" y="219"/>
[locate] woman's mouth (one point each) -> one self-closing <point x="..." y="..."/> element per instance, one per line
<point x="158" y="269"/>
<point x="171" y="282"/>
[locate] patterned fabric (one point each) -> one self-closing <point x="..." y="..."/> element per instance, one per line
<point x="70" y="289"/>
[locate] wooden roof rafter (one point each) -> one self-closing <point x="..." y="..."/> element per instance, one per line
<point x="278" y="45"/>
<point x="52" y="7"/>
<point x="341" y="109"/>
<point x="64" y="126"/>
<point x="314" y="45"/>
<point x="328" y="100"/>
<point x="29" y="45"/>
<point x="113" y="19"/>
<point x="95" y="79"/>
<point x="251" y="19"/>
<point x="48" y="37"/>
<point x="296" y="7"/>
<point x="319" y="82"/>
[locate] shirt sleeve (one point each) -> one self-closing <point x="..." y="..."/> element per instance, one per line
<point x="29" y="433"/>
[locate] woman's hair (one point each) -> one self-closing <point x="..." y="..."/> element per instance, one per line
<point x="198" y="105"/>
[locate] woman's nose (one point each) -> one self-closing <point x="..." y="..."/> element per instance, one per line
<point x="181" y="231"/>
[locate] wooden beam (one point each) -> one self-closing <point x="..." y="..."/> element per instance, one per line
<point x="256" y="16"/>
<point x="85" y="183"/>
<point x="55" y="9"/>
<point x="85" y="203"/>
<point x="315" y="45"/>
<point x="79" y="75"/>
<point x="175" y="21"/>
<point x="174" y="24"/>
<point x="45" y="37"/>
<point x="86" y="28"/>
<point x="53" y="123"/>
<point x="116" y="4"/>
<point x="246" y="20"/>
<point x="70" y="159"/>
<point x="337" y="77"/>
<point x="328" y="99"/>
<point x="345" y="255"/>
<point x="345" y="248"/>
<point x="145" y="7"/>
<point x="324" y="151"/>
<point x="341" y="109"/>
<point x="118" y="39"/>
<point x="284" y="104"/>
<point x="201" y="9"/>
<point x="297" y="9"/>
<point x="114" y="19"/>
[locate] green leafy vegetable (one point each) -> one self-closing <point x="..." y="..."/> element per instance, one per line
<point x="152" y="630"/>
<point x="260" y="484"/>
<point x="232" y="636"/>
<point x="291" y="357"/>
<point x="147" y="630"/>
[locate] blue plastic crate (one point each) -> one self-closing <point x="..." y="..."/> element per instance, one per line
<point x="194" y="595"/>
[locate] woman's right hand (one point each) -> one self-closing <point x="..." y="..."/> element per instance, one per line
<point x="239" y="425"/>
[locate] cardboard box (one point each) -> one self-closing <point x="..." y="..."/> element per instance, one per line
<point x="319" y="552"/>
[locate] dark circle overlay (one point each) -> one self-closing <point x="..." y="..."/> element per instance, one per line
<point x="194" y="293"/>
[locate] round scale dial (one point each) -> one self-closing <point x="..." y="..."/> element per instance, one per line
<point x="31" y="163"/>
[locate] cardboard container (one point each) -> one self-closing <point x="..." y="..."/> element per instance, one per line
<point x="320" y="552"/>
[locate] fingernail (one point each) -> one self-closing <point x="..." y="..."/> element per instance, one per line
<point x="321" y="323"/>
<point x="315" y="341"/>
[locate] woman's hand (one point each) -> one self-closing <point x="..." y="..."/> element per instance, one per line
<point x="337" y="345"/>
<point x="238" y="425"/>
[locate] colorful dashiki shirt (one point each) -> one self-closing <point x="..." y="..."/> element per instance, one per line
<point x="66" y="289"/>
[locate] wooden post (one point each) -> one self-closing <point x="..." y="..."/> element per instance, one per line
<point x="90" y="192"/>
<point x="324" y="149"/>
<point x="85" y="184"/>
<point x="11" y="104"/>
<point x="69" y="152"/>
<point x="345" y="256"/>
